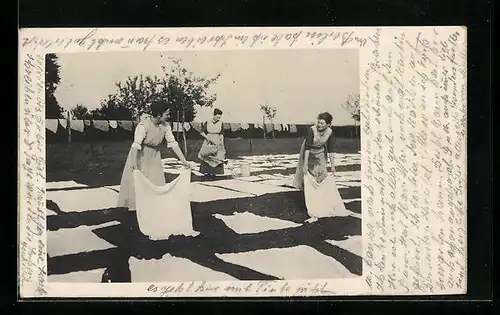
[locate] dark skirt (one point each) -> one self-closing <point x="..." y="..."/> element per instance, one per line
<point x="207" y="169"/>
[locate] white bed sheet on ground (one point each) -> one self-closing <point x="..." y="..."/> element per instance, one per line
<point x="251" y="178"/>
<point x="254" y="188"/>
<point x="76" y="240"/>
<point x="114" y="187"/>
<point x="278" y="182"/>
<point x="348" y="175"/>
<point x="79" y="200"/>
<point x="352" y="244"/>
<point x="204" y="193"/>
<point x="172" y="269"/>
<point x="248" y="223"/>
<point x="64" y="184"/>
<point x="299" y="262"/>
<point x="88" y="276"/>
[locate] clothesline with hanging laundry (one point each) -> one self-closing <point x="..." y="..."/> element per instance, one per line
<point x="80" y="129"/>
<point x="105" y="125"/>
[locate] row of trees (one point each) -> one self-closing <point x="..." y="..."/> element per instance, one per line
<point x="179" y="88"/>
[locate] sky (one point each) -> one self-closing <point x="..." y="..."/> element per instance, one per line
<point x="299" y="83"/>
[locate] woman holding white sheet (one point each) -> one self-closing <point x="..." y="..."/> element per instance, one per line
<point x="320" y="190"/>
<point x="145" y="155"/>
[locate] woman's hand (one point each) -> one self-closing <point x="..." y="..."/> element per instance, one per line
<point x="187" y="165"/>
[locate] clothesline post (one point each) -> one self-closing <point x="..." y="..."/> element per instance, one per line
<point x="264" y="126"/>
<point x="184" y="133"/>
<point x="68" y="119"/>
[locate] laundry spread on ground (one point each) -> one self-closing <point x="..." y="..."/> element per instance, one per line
<point x="270" y="242"/>
<point x="172" y="269"/>
<point x="84" y="199"/>
<point x="248" y="223"/>
<point x="292" y="263"/>
<point x="352" y="244"/>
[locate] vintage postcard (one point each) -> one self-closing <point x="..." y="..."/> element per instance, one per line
<point x="242" y="162"/>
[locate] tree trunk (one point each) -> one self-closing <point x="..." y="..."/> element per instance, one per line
<point x="264" y="126"/>
<point x="68" y="125"/>
<point x="272" y="124"/>
<point x="176" y="132"/>
<point x="184" y="133"/>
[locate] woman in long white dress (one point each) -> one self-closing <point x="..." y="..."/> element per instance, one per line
<point x="145" y="155"/>
<point x="162" y="209"/>
<point x="320" y="191"/>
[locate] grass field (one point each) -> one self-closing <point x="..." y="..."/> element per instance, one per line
<point x="101" y="163"/>
<point x="249" y="230"/>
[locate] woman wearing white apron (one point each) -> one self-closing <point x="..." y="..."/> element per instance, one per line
<point x="320" y="191"/>
<point x="212" y="152"/>
<point x="145" y="155"/>
<point x="162" y="209"/>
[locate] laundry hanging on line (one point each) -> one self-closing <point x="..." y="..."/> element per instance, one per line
<point x="177" y="127"/>
<point x="52" y="124"/>
<point x="63" y="122"/>
<point x="234" y="127"/>
<point x="244" y="126"/>
<point x="113" y="124"/>
<point x="126" y="124"/>
<point x="277" y="127"/>
<point x="102" y="125"/>
<point x="293" y="128"/>
<point x="77" y="125"/>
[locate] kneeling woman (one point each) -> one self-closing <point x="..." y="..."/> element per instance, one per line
<point x="145" y="154"/>
<point x="321" y="194"/>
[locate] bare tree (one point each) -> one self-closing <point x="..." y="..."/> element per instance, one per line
<point x="268" y="112"/>
<point x="352" y="105"/>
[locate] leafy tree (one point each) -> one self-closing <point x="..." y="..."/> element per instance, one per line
<point x="112" y="108"/>
<point x="353" y="106"/>
<point x="52" y="80"/>
<point x="134" y="94"/>
<point x="268" y="112"/>
<point x="80" y="112"/>
<point x="180" y="89"/>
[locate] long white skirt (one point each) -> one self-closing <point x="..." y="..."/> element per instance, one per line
<point x="323" y="199"/>
<point x="165" y="210"/>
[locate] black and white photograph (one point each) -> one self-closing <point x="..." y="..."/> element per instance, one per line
<point x="243" y="162"/>
<point x="224" y="165"/>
